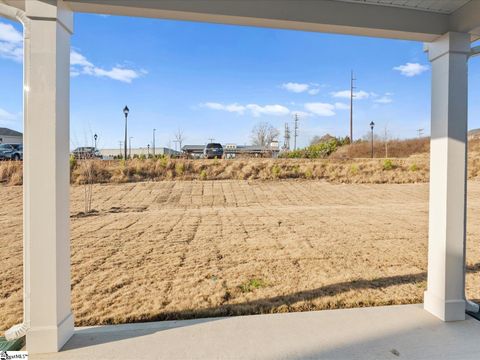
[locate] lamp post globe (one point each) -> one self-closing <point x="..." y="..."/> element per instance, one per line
<point x="95" y="137"/>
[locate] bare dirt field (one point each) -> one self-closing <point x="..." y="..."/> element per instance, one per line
<point x="181" y="249"/>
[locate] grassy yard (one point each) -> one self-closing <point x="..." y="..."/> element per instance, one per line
<point x="183" y="249"/>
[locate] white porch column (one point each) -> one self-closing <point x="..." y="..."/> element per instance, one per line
<point x="445" y="295"/>
<point x="47" y="308"/>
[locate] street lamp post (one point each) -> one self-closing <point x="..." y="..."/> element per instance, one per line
<point x="130" y="146"/>
<point x="95" y="137"/>
<point x="148" y="151"/>
<point x="372" y="124"/>
<point x="126" y="110"/>
<point x="153" y="148"/>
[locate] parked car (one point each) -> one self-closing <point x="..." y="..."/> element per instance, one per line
<point x="11" y="152"/>
<point x="213" y="151"/>
<point x="86" y="152"/>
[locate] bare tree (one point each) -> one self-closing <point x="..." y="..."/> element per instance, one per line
<point x="84" y="160"/>
<point x="263" y="134"/>
<point x="179" y="137"/>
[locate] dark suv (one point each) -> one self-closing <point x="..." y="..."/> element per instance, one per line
<point x="11" y="152"/>
<point x="213" y="151"/>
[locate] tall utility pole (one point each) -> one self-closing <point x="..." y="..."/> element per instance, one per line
<point x="286" y="142"/>
<point x="153" y="148"/>
<point x="295" y="132"/>
<point x="211" y="140"/>
<point x="352" y="95"/>
<point x="120" y="143"/>
<point x="420" y="132"/>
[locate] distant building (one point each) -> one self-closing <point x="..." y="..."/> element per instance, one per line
<point x="193" y="150"/>
<point x="138" y="151"/>
<point x="232" y="150"/>
<point x="8" y="136"/>
<point x="474" y="134"/>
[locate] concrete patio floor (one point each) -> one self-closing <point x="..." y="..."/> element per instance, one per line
<point x="390" y="332"/>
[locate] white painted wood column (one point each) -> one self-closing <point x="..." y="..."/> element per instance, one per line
<point x="445" y="295"/>
<point x="47" y="303"/>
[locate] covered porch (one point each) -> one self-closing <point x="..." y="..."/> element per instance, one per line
<point x="403" y="332"/>
<point x="447" y="27"/>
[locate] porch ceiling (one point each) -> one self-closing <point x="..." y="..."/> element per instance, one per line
<point x="422" y="20"/>
<point x="437" y="6"/>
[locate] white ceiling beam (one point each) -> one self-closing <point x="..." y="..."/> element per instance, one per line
<point x="322" y="16"/>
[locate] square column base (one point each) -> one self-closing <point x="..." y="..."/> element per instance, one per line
<point x="51" y="338"/>
<point x="446" y="310"/>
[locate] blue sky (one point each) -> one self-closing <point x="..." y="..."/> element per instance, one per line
<point x="218" y="81"/>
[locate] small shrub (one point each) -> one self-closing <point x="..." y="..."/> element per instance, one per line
<point x="388" y="164"/>
<point x="308" y="173"/>
<point x="354" y="169"/>
<point x="203" y="175"/>
<point x="414" y="167"/>
<point x="276" y="171"/>
<point x="163" y="162"/>
<point x="73" y="162"/>
<point x="179" y="168"/>
<point x="252" y="284"/>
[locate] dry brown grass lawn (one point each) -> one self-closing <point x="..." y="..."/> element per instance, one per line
<point x="175" y="250"/>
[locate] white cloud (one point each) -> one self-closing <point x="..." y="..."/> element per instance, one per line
<point x="11" y="43"/>
<point x="80" y="65"/>
<point x="384" y="100"/>
<point x="235" y="108"/>
<point x="320" y="109"/>
<point x="5" y="115"/>
<point x="345" y="94"/>
<point x="7" y="118"/>
<point x="311" y="89"/>
<point x="342" y="106"/>
<point x="277" y="110"/>
<point x="11" y="47"/>
<point x="301" y="114"/>
<point x="255" y="109"/>
<point x="78" y="59"/>
<point x="411" y="69"/>
<point x="295" y="87"/>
